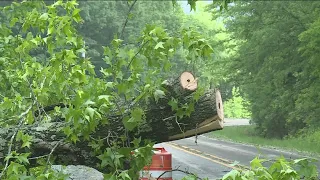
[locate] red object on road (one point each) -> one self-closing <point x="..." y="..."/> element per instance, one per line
<point x="161" y="165"/>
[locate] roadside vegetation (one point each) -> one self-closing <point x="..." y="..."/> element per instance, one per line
<point x="237" y="106"/>
<point x="247" y="134"/>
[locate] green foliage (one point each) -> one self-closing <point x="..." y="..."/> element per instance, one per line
<point x="280" y="169"/>
<point x="109" y="17"/>
<point x="41" y="65"/>
<point x="248" y="134"/>
<point x="275" y="63"/>
<point x="236" y="107"/>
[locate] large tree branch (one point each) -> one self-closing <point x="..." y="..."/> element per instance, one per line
<point x="160" y="125"/>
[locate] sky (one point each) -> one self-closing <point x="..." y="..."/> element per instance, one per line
<point x="186" y="8"/>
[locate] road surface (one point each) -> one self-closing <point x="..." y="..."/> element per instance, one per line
<point x="204" y="166"/>
<point x="212" y="158"/>
<point x="236" y="122"/>
<point x="188" y="161"/>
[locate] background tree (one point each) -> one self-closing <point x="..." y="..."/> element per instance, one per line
<point x="271" y="64"/>
<point x="105" y="20"/>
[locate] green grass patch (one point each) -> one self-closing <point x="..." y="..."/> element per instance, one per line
<point x="308" y="143"/>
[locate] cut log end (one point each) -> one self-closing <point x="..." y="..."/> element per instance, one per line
<point x="188" y="81"/>
<point x="219" y="106"/>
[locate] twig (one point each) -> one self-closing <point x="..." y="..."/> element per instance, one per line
<point x="38" y="157"/>
<point x="168" y="118"/>
<point x="127" y="19"/>
<point x="173" y="170"/>
<point x="49" y="155"/>
<point x="126" y="130"/>
<point x="41" y="87"/>
<point x="196" y="141"/>
<point x="13" y="136"/>
<point x="137" y="53"/>
<point x="108" y="138"/>
<point x="179" y="125"/>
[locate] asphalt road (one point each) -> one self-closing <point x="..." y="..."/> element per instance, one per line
<point x="236" y="122"/>
<point x="195" y="162"/>
<point x="211" y="158"/>
<point x="191" y="162"/>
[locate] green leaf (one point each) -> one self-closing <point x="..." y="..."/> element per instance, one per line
<point x="136" y="142"/>
<point x="50" y="31"/>
<point x="67" y="131"/>
<point x="190" y="177"/>
<point x="19" y="135"/>
<point x="44" y="16"/>
<point x="174" y="2"/>
<point x="13" y="21"/>
<point x="232" y="175"/>
<point x="26" y="141"/>
<point x="110" y="176"/>
<point x="90" y="111"/>
<point x="158" y="94"/>
<point x="129" y="123"/>
<point x="30" y="118"/>
<point x="159" y="45"/>
<point x="124" y="175"/>
<point x="105" y="97"/>
<point x="256" y="163"/>
<point x="76" y="16"/>
<point x="74" y="138"/>
<point x="137" y="114"/>
<point x="192" y="4"/>
<point x="234" y="163"/>
<point x="23" y="158"/>
<point x="89" y="102"/>
<point x="106" y="158"/>
<point x="13" y="168"/>
<point x="122" y="88"/>
<point x="173" y="103"/>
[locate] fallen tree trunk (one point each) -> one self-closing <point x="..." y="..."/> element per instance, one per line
<point x="161" y="125"/>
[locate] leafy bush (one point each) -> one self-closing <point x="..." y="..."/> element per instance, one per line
<point x="236" y="107"/>
<point x="281" y="169"/>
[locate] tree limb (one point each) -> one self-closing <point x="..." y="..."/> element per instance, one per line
<point x="127" y="18"/>
<point x="143" y="44"/>
<point x="179" y="170"/>
<point x="22" y="118"/>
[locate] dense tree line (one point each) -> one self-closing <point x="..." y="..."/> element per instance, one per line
<point x="276" y="63"/>
<point x="105" y="20"/>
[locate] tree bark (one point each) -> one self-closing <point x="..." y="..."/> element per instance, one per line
<point x="160" y="125"/>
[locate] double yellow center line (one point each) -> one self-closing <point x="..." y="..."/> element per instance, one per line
<point x="212" y="158"/>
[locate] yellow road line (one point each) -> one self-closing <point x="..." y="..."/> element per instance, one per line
<point x="215" y="157"/>
<point x="183" y="146"/>
<point x="197" y="150"/>
<point x="212" y="160"/>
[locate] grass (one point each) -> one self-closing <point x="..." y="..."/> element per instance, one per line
<point x="310" y="143"/>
